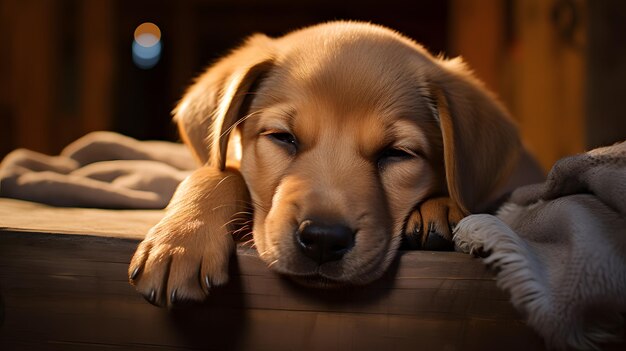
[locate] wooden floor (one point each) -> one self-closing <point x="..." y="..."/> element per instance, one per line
<point x="62" y="291"/>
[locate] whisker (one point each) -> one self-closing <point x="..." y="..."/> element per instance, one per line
<point x="223" y="206"/>
<point x="241" y="120"/>
<point x="241" y="230"/>
<point x="232" y="221"/>
<point x="264" y="253"/>
<point x="248" y="242"/>
<point x="209" y="193"/>
<point x="249" y="234"/>
<point x="244" y="213"/>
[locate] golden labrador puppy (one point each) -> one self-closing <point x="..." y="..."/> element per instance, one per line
<point x="352" y="136"/>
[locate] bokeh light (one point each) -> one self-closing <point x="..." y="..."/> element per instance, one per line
<point x="147" y="45"/>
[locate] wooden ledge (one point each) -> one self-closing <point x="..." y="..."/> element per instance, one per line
<point x="66" y="291"/>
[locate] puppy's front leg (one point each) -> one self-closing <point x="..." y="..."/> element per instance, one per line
<point x="187" y="252"/>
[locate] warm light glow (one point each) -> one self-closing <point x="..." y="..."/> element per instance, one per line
<point x="147" y="45"/>
<point x="236" y="140"/>
<point x="147" y="34"/>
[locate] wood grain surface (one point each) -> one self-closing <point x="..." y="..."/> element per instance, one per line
<point x="64" y="286"/>
<point x="71" y="292"/>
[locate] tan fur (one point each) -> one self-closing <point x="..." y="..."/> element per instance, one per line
<point x="346" y="91"/>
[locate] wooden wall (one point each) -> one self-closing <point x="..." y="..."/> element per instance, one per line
<point x="56" y="73"/>
<point x="557" y="64"/>
<point x="606" y="67"/>
<point x="29" y="69"/>
<point x="68" y="67"/>
<point x="547" y="77"/>
<point x="520" y="50"/>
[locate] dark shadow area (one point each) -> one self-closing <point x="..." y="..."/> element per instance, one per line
<point x="2" y="308"/>
<point x="222" y="321"/>
<point x="346" y="297"/>
<point x="217" y="323"/>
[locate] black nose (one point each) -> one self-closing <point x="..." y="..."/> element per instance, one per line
<point x="324" y="243"/>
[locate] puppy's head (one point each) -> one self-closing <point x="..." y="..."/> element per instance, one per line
<point x="346" y="128"/>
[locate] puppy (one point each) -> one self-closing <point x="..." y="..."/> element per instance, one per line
<point x="351" y="137"/>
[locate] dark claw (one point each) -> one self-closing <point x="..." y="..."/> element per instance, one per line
<point x="134" y="274"/>
<point x="173" y="298"/>
<point x="436" y="242"/>
<point x="151" y="297"/>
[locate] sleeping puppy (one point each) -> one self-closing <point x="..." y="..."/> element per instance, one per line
<point x="351" y="136"/>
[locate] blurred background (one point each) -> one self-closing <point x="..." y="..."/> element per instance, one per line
<point x="68" y="67"/>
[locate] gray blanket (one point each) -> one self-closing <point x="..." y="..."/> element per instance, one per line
<point x="101" y="169"/>
<point x="559" y="249"/>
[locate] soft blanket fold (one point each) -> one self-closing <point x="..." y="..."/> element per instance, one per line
<point x="559" y="249"/>
<point x="101" y="169"/>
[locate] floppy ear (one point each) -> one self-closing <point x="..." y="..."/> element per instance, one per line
<point x="213" y="105"/>
<point x="481" y="143"/>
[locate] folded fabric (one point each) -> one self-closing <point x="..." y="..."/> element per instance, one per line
<point x="559" y="249"/>
<point x="101" y="169"/>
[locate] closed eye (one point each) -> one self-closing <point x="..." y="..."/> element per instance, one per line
<point x="393" y="155"/>
<point x="282" y="138"/>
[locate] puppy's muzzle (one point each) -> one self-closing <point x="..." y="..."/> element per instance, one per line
<point x="324" y="242"/>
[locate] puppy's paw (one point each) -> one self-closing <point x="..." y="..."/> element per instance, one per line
<point x="180" y="261"/>
<point x="430" y="225"/>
